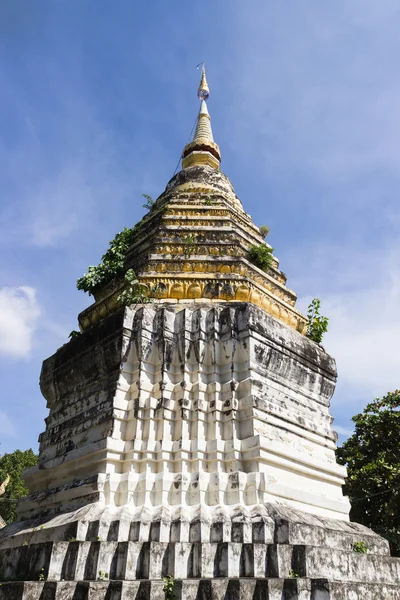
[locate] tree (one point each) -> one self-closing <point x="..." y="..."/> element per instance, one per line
<point x="372" y="457"/>
<point x="13" y="465"/>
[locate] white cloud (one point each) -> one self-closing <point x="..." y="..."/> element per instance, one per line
<point x="360" y="293"/>
<point x="19" y="311"/>
<point x="7" y="427"/>
<point x="364" y="335"/>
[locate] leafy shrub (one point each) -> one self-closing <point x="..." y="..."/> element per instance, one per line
<point x="149" y="202"/>
<point x="168" y="589"/>
<point x="360" y="547"/>
<point x="316" y="324"/>
<point x="264" y="230"/>
<point x="261" y="256"/>
<point x="134" y="292"/>
<point x="112" y="262"/>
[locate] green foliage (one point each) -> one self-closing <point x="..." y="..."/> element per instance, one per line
<point x="102" y="576"/>
<point x="74" y="334"/>
<point x="168" y="589"/>
<point x="372" y="457"/>
<point x="189" y="242"/>
<point x="293" y="574"/>
<point x="134" y="292"/>
<point x="13" y="465"/>
<point x="261" y="256"/>
<point x="316" y="324"/>
<point x="149" y="202"/>
<point x="264" y="230"/>
<point x="41" y="575"/>
<point x="112" y="262"/>
<point x="360" y="547"/>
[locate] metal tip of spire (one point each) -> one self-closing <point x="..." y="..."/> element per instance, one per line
<point x="203" y="92"/>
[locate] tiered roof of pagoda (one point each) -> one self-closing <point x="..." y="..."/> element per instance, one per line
<point x="193" y="245"/>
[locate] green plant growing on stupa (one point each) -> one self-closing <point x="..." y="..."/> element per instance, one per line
<point x="149" y="202"/>
<point x="264" y="230"/>
<point x="134" y="292"/>
<point x="317" y="325"/>
<point x="360" y="547"/>
<point x="112" y="263"/>
<point x="189" y="243"/>
<point x="74" y="334"/>
<point x="168" y="589"/>
<point x="261" y="256"/>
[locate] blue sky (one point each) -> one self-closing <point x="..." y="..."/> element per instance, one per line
<point x="97" y="102"/>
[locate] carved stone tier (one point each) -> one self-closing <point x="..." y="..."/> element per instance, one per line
<point x="193" y="244"/>
<point x="186" y="405"/>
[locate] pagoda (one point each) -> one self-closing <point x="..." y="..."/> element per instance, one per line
<point x="189" y="443"/>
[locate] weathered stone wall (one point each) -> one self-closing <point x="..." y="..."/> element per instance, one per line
<point x="79" y="383"/>
<point x="184" y="404"/>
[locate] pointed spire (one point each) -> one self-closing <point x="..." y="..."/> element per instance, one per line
<point x="203" y="127"/>
<point x="203" y="92"/>
<point x="202" y="150"/>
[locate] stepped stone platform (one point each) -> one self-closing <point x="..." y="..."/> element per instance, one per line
<point x="272" y="552"/>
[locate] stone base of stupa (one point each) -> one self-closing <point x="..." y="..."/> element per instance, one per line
<point x="269" y="552"/>
<point x="190" y="440"/>
<point x="272" y="553"/>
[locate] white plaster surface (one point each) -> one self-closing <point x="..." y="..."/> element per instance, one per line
<point x="181" y="406"/>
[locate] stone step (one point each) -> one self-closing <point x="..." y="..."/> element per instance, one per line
<point x="199" y="589"/>
<point x="345" y="566"/>
<point x="268" y="524"/>
<point x="298" y="528"/>
<point x="75" y="561"/>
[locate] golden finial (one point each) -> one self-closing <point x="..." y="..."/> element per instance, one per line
<point x="204" y="91"/>
<point x="202" y="150"/>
